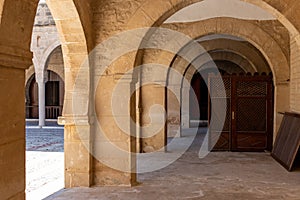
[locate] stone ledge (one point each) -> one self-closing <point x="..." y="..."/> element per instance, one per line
<point x="76" y="120"/>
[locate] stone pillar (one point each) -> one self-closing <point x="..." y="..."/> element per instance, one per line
<point x="12" y="136"/>
<point x="173" y="110"/>
<point x="185" y="107"/>
<point x="281" y="104"/>
<point x="114" y="162"/>
<point x="40" y="76"/>
<point x="42" y="108"/>
<point x="78" y="148"/>
<point x="78" y="128"/>
<point x="295" y="74"/>
<point x="153" y="118"/>
<point x="12" y="126"/>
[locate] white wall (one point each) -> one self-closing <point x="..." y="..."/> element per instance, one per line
<point x="220" y="8"/>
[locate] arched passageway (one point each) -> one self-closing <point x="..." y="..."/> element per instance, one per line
<point x="54" y="97"/>
<point x="84" y="25"/>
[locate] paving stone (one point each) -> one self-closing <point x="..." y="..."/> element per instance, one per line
<point x="44" y="161"/>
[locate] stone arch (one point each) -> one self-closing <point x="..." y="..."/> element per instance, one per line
<point x="234" y="57"/>
<point x="155" y="17"/>
<point x="267" y="45"/>
<point x="27" y="85"/>
<point x="75" y="33"/>
<point x="270" y="49"/>
<point x="75" y="39"/>
<point x="17" y="18"/>
<point x="243" y="48"/>
<point x="48" y="53"/>
<point x="273" y="54"/>
<point x="29" y="72"/>
<point x="244" y="64"/>
<point x="55" y="68"/>
<point x="73" y="28"/>
<point x="29" y="76"/>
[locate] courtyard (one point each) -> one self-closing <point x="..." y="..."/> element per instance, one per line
<point x="44" y="161"/>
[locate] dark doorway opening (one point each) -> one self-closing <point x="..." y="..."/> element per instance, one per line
<point x="32" y="102"/>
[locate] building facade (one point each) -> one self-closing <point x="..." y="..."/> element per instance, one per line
<point x="44" y="81"/>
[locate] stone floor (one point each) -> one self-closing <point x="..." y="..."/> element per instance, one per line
<point x="47" y="139"/>
<point x="44" y="161"/>
<point x="219" y="176"/>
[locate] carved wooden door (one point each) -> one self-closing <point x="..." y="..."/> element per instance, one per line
<point x="248" y="122"/>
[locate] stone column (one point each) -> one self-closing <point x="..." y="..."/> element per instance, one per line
<point x="42" y="108"/>
<point x="78" y="127"/>
<point x="153" y="107"/>
<point x="114" y="143"/>
<point x="185" y="107"/>
<point x="12" y="126"/>
<point x="153" y="118"/>
<point x="173" y="110"/>
<point x="281" y="104"/>
<point x="78" y="148"/>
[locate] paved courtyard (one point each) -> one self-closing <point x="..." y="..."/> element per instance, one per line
<point x="219" y="176"/>
<point x="44" y="161"/>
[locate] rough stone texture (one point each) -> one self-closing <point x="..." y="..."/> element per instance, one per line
<point x="44" y="41"/>
<point x="12" y="145"/>
<point x="241" y="48"/>
<point x="153" y="118"/>
<point x="273" y="44"/>
<point x="77" y="157"/>
<point x="73" y="32"/>
<point x="262" y="40"/>
<point x="295" y="77"/>
<point x="83" y="24"/>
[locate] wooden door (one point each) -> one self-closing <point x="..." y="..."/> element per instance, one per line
<point x="53" y="109"/>
<point x="249" y="114"/>
<point x="253" y="109"/>
<point x="220" y="136"/>
<point x="52" y="93"/>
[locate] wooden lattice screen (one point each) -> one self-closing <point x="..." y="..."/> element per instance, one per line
<point x="287" y="143"/>
<point x="248" y="122"/>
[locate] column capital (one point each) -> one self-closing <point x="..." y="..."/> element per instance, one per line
<point x="15" y="57"/>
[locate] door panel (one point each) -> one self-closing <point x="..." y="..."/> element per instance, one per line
<point x="251" y="141"/>
<point x="52" y="93"/>
<point x="220" y="135"/>
<point x="249" y="113"/>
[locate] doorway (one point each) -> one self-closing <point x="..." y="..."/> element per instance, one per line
<point x="248" y="124"/>
<point x="32" y="102"/>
